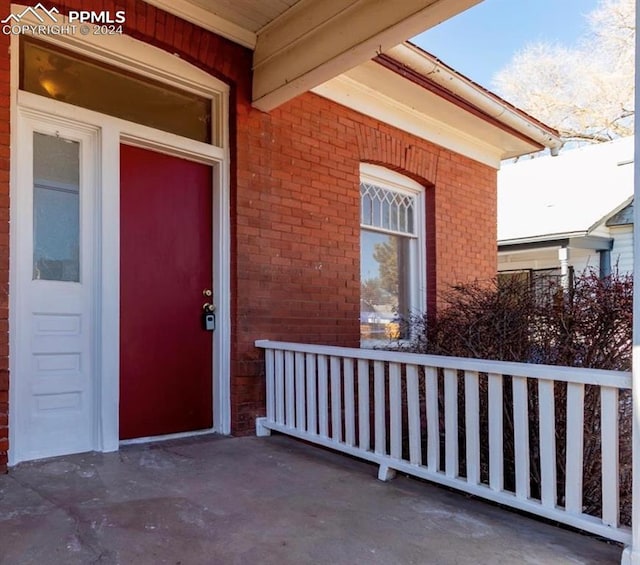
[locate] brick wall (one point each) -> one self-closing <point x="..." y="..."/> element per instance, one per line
<point x="4" y="240"/>
<point x="297" y="239"/>
<point x="295" y="208"/>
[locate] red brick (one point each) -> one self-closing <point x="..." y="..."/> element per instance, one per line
<point x="295" y="207"/>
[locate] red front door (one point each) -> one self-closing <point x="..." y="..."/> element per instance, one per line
<point x="165" y="265"/>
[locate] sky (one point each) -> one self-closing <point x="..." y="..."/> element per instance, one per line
<point x="481" y="41"/>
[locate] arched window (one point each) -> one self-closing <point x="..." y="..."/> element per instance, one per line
<point x="392" y="253"/>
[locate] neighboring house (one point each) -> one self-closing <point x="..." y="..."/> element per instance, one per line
<point x="561" y="215"/>
<point x="620" y="227"/>
<point x="223" y="172"/>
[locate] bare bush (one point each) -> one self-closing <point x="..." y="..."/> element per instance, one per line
<point x="588" y="325"/>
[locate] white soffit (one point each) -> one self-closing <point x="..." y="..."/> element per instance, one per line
<point x="252" y="15"/>
<point x="207" y="18"/>
<point x="299" y="44"/>
<point x="317" y="40"/>
<point x="383" y="94"/>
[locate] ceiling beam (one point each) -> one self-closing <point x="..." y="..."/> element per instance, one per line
<point x="317" y="40"/>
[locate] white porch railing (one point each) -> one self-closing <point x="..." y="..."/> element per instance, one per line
<point x="445" y="419"/>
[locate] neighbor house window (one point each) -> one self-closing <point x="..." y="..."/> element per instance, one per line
<point x="392" y="266"/>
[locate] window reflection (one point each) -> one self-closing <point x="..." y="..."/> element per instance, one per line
<point x="384" y="284"/>
<point x="56" y="208"/>
<point x="70" y="78"/>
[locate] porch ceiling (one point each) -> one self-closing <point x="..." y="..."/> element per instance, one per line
<point x="299" y="44"/>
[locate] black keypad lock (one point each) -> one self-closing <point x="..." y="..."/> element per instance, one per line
<point x="208" y="321"/>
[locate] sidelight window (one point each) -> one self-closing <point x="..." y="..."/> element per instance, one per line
<point x="56" y="208"/>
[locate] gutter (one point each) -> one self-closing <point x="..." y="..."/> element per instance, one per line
<point x="425" y="64"/>
<point x="576" y="240"/>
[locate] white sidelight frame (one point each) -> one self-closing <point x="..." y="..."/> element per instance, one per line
<point x="56" y="355"/>
<point x="138" y="57"/>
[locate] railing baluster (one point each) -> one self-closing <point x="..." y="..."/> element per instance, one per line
<point x="323" y="396"/>
<point x="413" y="407"/>
<point x="496" y="431"/>
<point x="547" y="425"/>
<point x="336" y="399"/>
<point x="279" y="364"/>
<point x="521" y="436"/>
<point x="575" y="448"/>
<point x="395" y="409"/>
<point x="290" y="399"/>
<point x="312" y="399"/>
<point x="364" y="410"/>
<point x="472" y="425"/>
<point x="433" y="419"/>
<point x="380" y="440"/>
<point x="270" y="375"/>
<point x="451" y="422"/>
<point x="311" y="394"/>
<point x="609" y="409"/>
<point x="349" y="403"/>
<point x="301" y="420"/>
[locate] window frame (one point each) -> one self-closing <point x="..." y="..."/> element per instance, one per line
<point x="417" y="276"/>
<point x="129" y="75"/>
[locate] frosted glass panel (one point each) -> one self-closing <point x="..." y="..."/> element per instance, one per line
<point x="56" y="208"/>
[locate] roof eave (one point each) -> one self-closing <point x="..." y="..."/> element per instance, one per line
<point x="576" y="240"/>
<point x="420" y="66"/>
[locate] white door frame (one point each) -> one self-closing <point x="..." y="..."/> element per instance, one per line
<point x="160" y="65"/>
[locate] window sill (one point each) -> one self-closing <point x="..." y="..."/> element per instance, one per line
<point x="384" y="344"/>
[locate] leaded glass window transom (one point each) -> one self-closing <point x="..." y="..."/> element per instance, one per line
<point x="387" y="209"/>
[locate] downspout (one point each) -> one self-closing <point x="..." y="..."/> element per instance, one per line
<point x="563" y="257"/>
<point x="605" y="263"/>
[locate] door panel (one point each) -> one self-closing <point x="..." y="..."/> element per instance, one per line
<point x="165" y="264"/>
<point x="53" y="359"/>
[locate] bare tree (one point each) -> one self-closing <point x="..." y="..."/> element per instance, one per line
<point x="585" y="91"/>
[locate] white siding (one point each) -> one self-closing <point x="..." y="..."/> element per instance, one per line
<point x="579" y="259"/>
<point x="547" y="258"/>
<point x="622" y="252"/>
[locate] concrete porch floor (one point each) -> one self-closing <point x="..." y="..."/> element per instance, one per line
<point x="211" y="500"/>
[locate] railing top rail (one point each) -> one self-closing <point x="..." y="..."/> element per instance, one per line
<point x="615" y="379"/>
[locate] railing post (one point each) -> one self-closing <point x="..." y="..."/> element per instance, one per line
<point x="631" y="553"/>
<point x="261" y="429"/>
